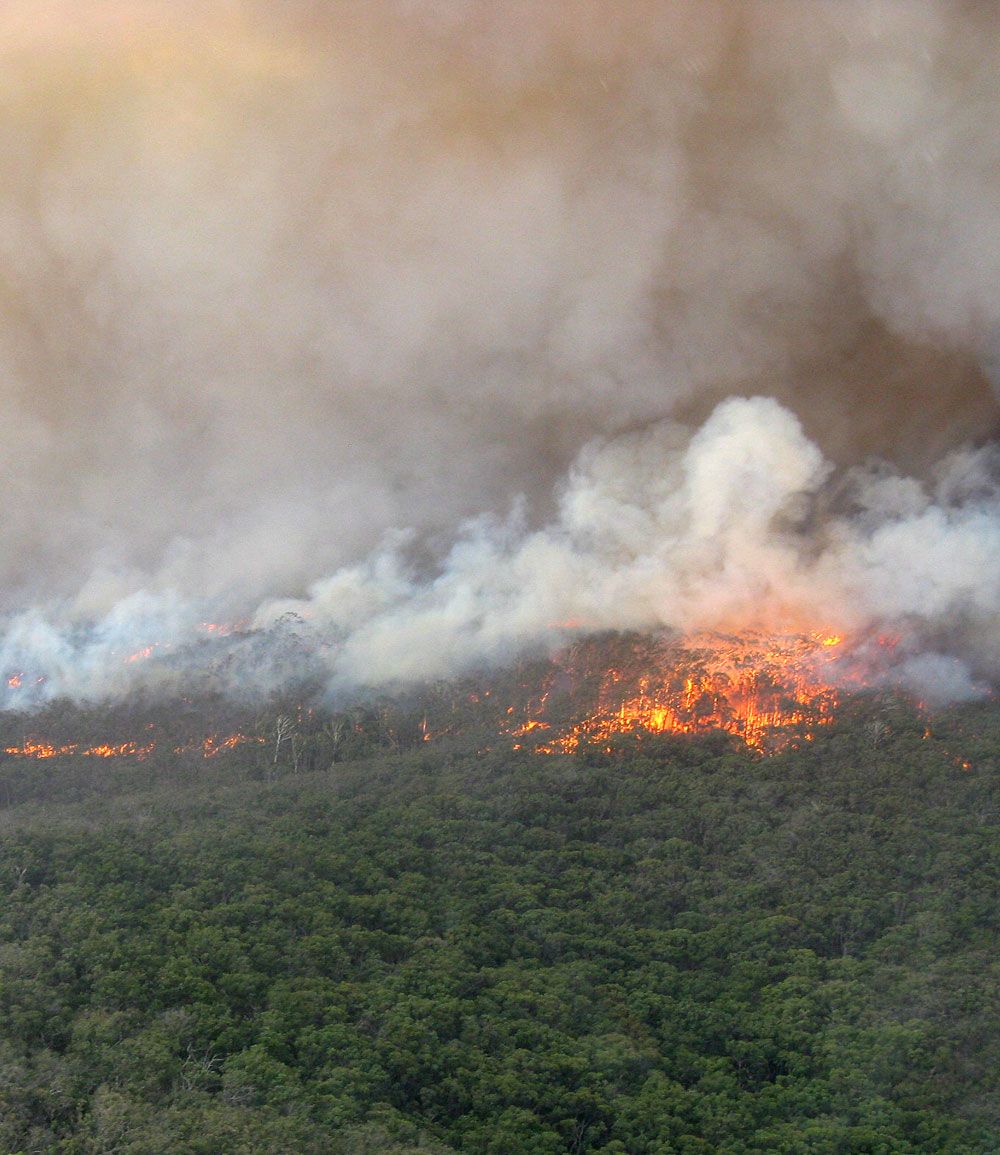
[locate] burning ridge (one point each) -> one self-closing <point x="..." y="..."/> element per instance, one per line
<point x="738" y="527"/>
<point x="761" y="688"/>
<point x="768" y="690"/>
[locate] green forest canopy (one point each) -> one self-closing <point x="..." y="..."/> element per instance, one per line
<point x="675" y="946"/>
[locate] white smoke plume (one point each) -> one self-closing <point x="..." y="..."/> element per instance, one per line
<point x="456" y="329"/>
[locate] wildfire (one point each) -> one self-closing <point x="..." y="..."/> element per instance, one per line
<point x="123" y="750"/>
<point x="30" y="748"/>
<point x="758" y="687"/>
<point x="213" y="745"/>
<point x="528" y="727"/>
<point x="141" y="655"/>
<point x="223" y="629"/>
<point x="208" y="747"/>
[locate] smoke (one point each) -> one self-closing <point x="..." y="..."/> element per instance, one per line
<point x="455" y="330"/>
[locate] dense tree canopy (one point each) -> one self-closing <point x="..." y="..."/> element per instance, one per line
<point x="673" y="947"/>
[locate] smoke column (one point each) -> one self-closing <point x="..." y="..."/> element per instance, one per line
<point x="455" y="329"/>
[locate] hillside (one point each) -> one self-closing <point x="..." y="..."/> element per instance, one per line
<point x="669" y="944"/>
<point x="499" y="577"/>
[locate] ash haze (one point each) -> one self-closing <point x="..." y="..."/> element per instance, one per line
<point x="454" y="329"/>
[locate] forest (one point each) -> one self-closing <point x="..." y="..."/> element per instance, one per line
<point x="341" y="938"/>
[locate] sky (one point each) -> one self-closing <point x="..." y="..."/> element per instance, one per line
<point x="455" y="330"/>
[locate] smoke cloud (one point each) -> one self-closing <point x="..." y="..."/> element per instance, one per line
<point x="407" y="336"/>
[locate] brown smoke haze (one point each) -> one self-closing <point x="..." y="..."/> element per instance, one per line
<point x="455" y="328"/>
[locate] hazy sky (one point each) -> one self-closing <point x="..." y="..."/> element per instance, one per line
<point x="415" y="317"/>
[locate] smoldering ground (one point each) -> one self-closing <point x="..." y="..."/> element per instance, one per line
<point x="454" y="328"/>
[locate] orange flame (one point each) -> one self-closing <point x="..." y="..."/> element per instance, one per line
<point x="140" y="655"/>
<point x="755" y="686"/>
<point x="212" y="746"/>
<point x="527" y="727"/>
<point x="209" y="747"/>
<point x="124" y="750"/>
<point x="223" y="629"/>
<point x="32" y="749"/>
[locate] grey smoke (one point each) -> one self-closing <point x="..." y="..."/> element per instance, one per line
<point x="456" y="329"/>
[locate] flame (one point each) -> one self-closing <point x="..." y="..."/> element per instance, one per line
<point x="15" y="680"/>
<point x="208" y="747"/>
<point x="223" y="629"/>
<point x="527" y="727"/>
<point x="213" y="745"/>
<point x="759" y="687"/>
<point x="124" y="750"/>
<point x="139" y="655"/>
<point x="30" y="748"/>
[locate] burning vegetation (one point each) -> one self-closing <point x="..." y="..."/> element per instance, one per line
<point x="209" y="747"/>
<point x="769" y="690"/>
<point x="763" y="688"/>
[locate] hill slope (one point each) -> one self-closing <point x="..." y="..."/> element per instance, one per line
<point x="677" y="946"/>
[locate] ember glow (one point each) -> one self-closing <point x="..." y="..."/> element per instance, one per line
<point x="214" y="745"/>
<point x="766" y="689"/>
<point x="140" y="655"/>
<point x="209" y="747"/>
<point x="121" y="750"/>
<point x="32" y="748"/>
<point x="222" y="629"/>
